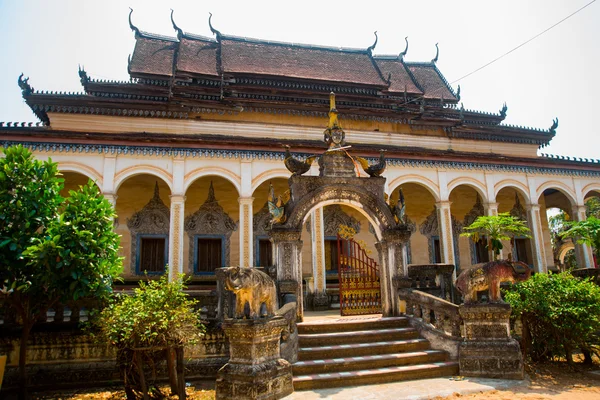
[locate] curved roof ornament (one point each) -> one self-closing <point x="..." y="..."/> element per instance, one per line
<point x="212" y="29"/>
<point x="26" y="89"/>
<point x="552" y="129"/>
<point x="83" y="76"/>
<point x="131" y="25"/>
<point x="372" y="47"/>
<point x="458" y="93"/>
<point x="401" y="55"/>
<point x="503" y="110"/>
<point x="437" y="53"/>
<point x="178" y="29"/>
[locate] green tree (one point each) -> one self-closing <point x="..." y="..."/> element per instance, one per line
<point x="158" y="316"/>
<point x="587" y="232"/>
<point x="495" y="229"/>
<point x="51" y="249"/>
<point x="560" y="313"/>
<point x="593" y="207"/>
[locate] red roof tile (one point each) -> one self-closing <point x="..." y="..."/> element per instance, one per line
<point x="153" y="56"/>
<point x="431" y="80"/>
<point x="293" y="61"/>
<point x="197" y="56"/>
<point x="399" y="76"/>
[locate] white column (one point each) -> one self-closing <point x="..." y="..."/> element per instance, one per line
<point x="176" y="229"/>
<point x="112" y="198"/>
<point x="446" y="236"/>
<point x="246" y="231"/>
<point x="108" y="179"/>
<point x="318" y="249"/>
<point x="491" y="209"/>
<point x="583" y="251"/>
<point x="537" y="240"/>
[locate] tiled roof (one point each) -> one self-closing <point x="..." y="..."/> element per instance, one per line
<point x="197" y="56"/>
<point x="399" y="76"/>
<point x="153" y="56"/>
<point x="294" y="61"/>
<point x="431" y="80"/>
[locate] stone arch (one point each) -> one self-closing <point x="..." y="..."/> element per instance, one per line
<point x="127" y="173"/>
<point x="83" y="170"/>
<point x="267" y="175"/>
<point x="592" y="187"/>
<point x="196" y="174"/>
<point x="511" y="183"/>
<point x="376" y="212"/>
<point x="564" y="248"/>
<point x="561" y="187"/>
<point x="420" y="180"/>
<point x="470" y="182"/>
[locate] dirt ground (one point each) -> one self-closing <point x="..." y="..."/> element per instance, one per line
<point x="556" y="381"/>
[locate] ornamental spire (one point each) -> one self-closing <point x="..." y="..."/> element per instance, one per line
<point x="133" y="27"/>
<point x="372" y="47"/>
<point x="403" y="54"/>
<point x="334" y="135"/>
<point x="212" y="29"/>
<point x="178" y="29"/>
<point x="437" y="53"/>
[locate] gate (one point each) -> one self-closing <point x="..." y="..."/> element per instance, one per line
<point x="359" y="279"/>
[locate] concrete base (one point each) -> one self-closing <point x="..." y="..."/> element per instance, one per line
<point x="488" y="350"/>
<point x="255" y="369"/>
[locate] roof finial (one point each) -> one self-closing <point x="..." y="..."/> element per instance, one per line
<point x="552" y="129"/>
<point x="458" y="93"/>
<point x="212" y="29"/>
<point x="83" y="75"/>
<point x="461" y="114"/>
<point x="437" y="53"/>
<point x="372" y="47"/>
<point x="156" y="195"/>
<point x="401" y="55"/>
<point x="211" y="194"/>
<point x="26" y="89"/>
<point x="178" y="29"/>
<point x="333" y="113"/>
<point x="503" y="111"/>
<point x="133" y="27"/>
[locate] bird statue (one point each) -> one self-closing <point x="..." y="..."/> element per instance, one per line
<point x="276" y="207"/>
<point x="375" y="169"/>
<point x="400" y="209"/>
<point x="295" y="166"/>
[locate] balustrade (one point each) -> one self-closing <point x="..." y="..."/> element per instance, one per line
<point x="439" y="313"/>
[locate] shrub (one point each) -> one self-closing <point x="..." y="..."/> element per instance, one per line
<point x="157" y="316"/>
<point x="560" y="313"/>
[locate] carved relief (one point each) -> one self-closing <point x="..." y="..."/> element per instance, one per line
<point x="210" y="219"/>
<point x="430" y="228"/>
<point x="152" y="219"/>
<point x="518" y="211"/>
<point x="334" y="216"/>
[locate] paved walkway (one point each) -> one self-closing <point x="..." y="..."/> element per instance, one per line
<point x="407" y="390"/>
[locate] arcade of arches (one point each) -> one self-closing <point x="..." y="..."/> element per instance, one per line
<point x="195" y="218"/>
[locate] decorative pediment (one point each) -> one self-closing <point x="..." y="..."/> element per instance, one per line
<point x="430" y="227"/>
<point x="210" y="219"/>
<point x="334" y="216"/>
<point x="152" y="219"/>
<point x="476" y="211"/>
<point x="518" y="211"/>
<point x="261" y="222"/>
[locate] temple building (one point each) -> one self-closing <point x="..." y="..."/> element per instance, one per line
<point x="187" y="149"/>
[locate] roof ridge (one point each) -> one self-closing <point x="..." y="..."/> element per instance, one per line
<point x="194" y="36"/>
<point x="301" y="45"/>
<point x="149" y="35"/>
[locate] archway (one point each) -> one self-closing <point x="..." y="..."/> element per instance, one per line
<point x="513" y="200"/>
<point x="74" y="180"/>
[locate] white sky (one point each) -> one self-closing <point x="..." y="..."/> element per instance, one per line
<point x="554" y="76"/>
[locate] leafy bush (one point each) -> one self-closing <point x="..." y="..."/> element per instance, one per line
<point x="560" y="313"/>
<point x="157" y="314"/>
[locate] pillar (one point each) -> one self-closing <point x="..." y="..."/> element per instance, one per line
<point x="176" y="232"/>
<point x="537" y="239"/>
<point x="583" y="252"/>
<point x="246" y="231"/>
<point x="287" y="247"/>
<point x="446" y="237"/>
<point x="319" y="296"/>
<point x="112" y="198"/>
<point x="393" y="266"/>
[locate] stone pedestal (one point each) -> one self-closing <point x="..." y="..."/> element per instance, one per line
<point x="255" y="369"/>
<point x="488" y="349"/>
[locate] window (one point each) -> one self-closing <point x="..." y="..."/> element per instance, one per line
<point x="152" y="254"/>
<point x="481" y="251"/>
<point x="520" y="250"/>
<point x="209" y="254"/>
<point x="331" y="255"/>
<point x="264" y="253"/>
<point x="436" y="251"/>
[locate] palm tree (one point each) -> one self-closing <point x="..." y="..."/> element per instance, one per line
<point x="495" y="229"/>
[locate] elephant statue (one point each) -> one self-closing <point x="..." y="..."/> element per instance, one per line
<point x="489" y="276"/>
<point x="251" y="286"/>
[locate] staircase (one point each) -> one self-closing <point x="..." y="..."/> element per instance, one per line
<point x="361" y="351"/>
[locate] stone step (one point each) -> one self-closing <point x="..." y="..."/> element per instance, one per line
<point x="367" y="362"/>
<point x="358" y="324"/>
<point x="362" y="336"/>
<point x="361" y="349"/>
<point x="376" y="375"/>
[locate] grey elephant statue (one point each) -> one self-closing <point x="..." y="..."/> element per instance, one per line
<point x="251" y="286"/>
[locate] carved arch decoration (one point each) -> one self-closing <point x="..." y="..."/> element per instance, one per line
<point x="210" y="219"/>
<point x="261" y="225"/>
<point x="476" y="211"/>
<point x="431" y="227"/>
<point x="152" y="219"/>
<point x="412" y="228"/>
<point x="518" y="211"/>
<point x="334" y="216"/>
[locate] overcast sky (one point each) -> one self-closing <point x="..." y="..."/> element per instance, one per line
<point x="555" y="75"/>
